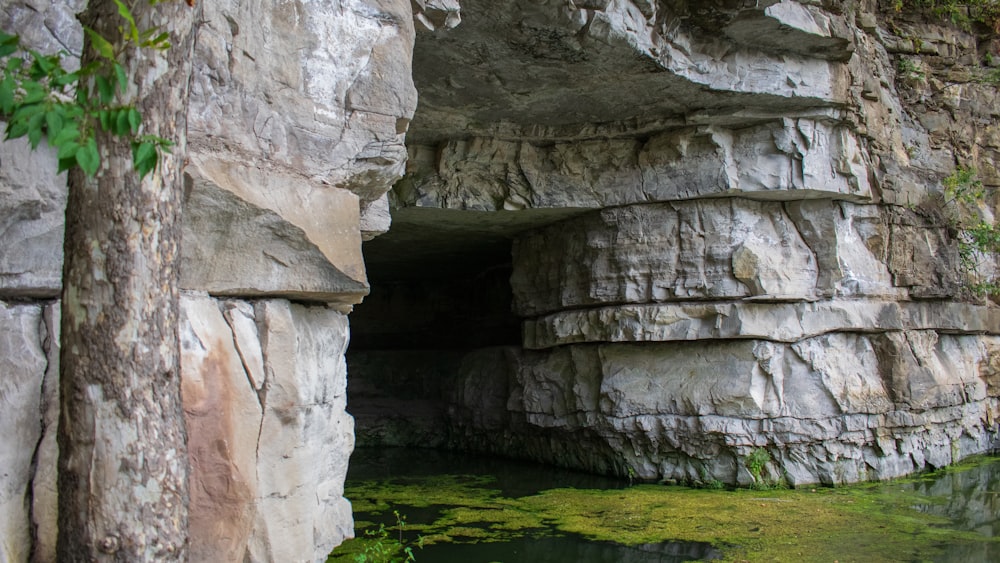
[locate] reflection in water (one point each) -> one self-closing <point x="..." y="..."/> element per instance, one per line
<point x="565" y="549"/>
<point x="479" y="509"/>
<point x="970" y="499"/>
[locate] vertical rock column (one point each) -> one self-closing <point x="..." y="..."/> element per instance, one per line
<point x="265" y="397"/>
<point x="298" y="115"/>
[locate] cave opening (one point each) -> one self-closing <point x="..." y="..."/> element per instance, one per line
<point x="440" y="295"/>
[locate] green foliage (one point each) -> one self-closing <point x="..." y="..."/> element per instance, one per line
<point x="962" y="13"/>
<point x="383" y="549"/>
<point x="40" y="97"/>
<point x="978" y="239"/>
<point x="755" y="464"/>
<point x="909" y="69"/>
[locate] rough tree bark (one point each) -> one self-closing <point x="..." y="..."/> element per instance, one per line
<point x="123" y="460"/>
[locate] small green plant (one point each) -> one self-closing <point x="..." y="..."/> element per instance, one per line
<point x="756" y="462"/>
<point x="40" y="97"/>
<point x="909" y="69"/>
<point x="978" y="239"/>
<point x="383" y="549"/>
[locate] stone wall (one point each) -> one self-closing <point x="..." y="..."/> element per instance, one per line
<point x="756" y="256"/>
<point x="298" y="114"/>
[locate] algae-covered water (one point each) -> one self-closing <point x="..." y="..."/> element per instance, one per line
<point x="464" y="509"/>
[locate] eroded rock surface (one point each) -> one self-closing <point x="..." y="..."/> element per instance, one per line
<point x="727" y="231"/>
<point x="296" y="127"/>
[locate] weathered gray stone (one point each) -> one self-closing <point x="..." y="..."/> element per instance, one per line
<point x="23" y="364"/>
<point x="728" y="248"/>
<point x="533" y="66"/>
<point x="784" y="159"/>
<point x="32" y="205"/>
<point x="240" y="316"/>
<point x="436" y="14"/>
<point x="223" y="418"/>
<point x="782" y="322"/>
<point x="32" y="195"/>
<point x="44" y="484"/>
<point x="793" y="26"/>
<point x="306" y="435"/>
<point x="252" y="231"/>
<point x="321" y="89"/>
<point x="828" y="409"/>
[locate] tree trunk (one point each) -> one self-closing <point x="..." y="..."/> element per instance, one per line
<point x="123" y="459"/>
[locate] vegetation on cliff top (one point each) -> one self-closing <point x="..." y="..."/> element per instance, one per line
<point x="964" y="13"/>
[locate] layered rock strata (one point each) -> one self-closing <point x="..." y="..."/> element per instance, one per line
<point x="753" y="252"/>
<point x="298" y="114"/>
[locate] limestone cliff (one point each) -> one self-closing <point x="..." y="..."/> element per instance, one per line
<point x="724" y="234"/>
<point x="645" y="237"/>
<point x="298" y="115"/>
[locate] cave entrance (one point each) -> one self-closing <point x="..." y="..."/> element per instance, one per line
<point x="440" y="296"/>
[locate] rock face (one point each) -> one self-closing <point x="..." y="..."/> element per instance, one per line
<point x="264" y="394"/>
<point x="726" y="235"/>
<point x="298" y="115"/>
<point x="648" y="238"/>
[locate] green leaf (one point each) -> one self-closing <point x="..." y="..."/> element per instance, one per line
<point x="67" y="150"/>
<point x="53" y="124"/>
<point x="104" y="117"/>
<point x="121" y="124"/>
<point x="7" y="96"/>
<point x="33" y="92"/>
<point x="6" y="50"/>
<point x="69" y="134"/>
<point x="6" y="38"/>
<point x="16" y="129"/>
<point x="105" y="90"/>
<point x="134" y="120"/>
<point x="66" y="163"/>
<point x="124" y="12"/>
<point x="35" y="129"/>
<point x="88" y="158"/>
<point x="144" y="158"/>
<point x="100" y="44"/>
<point x="122" y="77"/>
<point x="65" y="79"/>
<point x="27" y="111"/>
<point x="142" y="151"/>
<point x="14" y="64"/>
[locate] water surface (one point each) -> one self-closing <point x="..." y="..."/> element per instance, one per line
<point x="469" y="509"/>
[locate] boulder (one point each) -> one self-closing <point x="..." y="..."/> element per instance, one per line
<point x="252" y="231"/>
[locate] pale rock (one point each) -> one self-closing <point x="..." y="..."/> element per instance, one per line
<point x="32" y="208"/>
<point x="324" y="89"/>
<point x="825" y="408"/>
<point x="32" y="195"/>
<point x="532" y="71"/>
<point x="240" y="316"/>
<point x="782" y="322"/>
<point x="793" y="26"/>
<point x="44" y="485"/>
<point x="223" y="418"/>
<point x="47" y="27"/>
<point x="375" y="218"/>
<point x="788" y="159"/>
<point x="23" y="365"/>
<point x="306" y="434"/>
<point x="435" y="14"/>
<point x="926" y="371"/>
<point x="921" y="256"/>
<point x="252" y="231"/>
<point x="850" y="243"/>
<point x="728" y="248"/>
